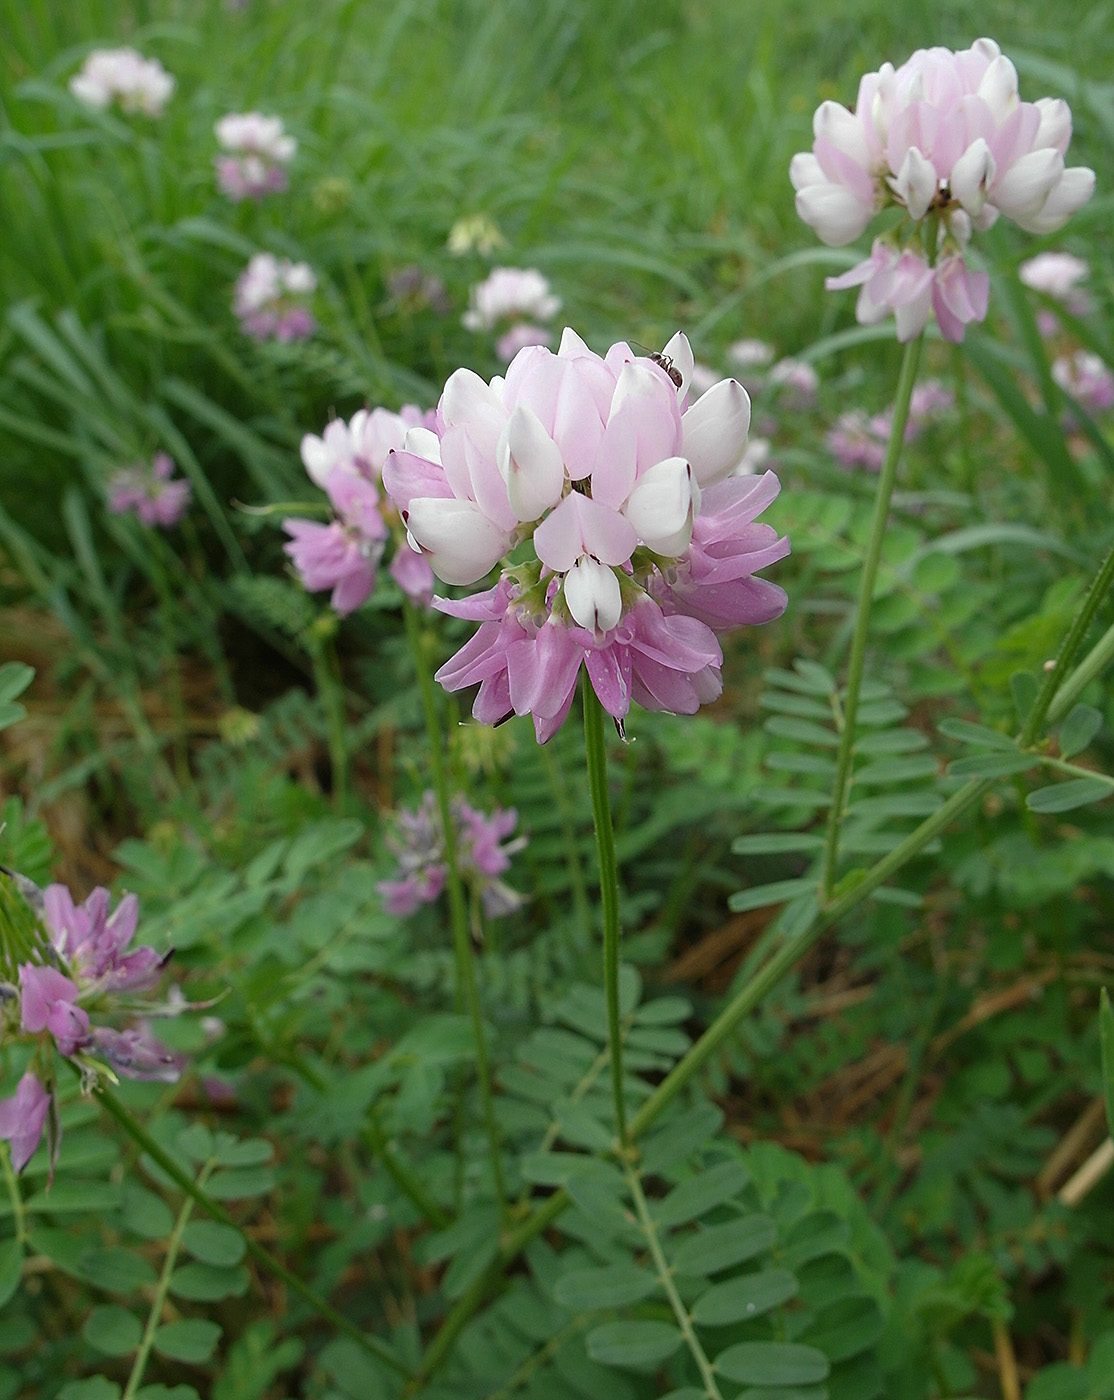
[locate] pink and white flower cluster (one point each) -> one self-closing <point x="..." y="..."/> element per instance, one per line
<point x="516" y="298"/>
<point x="152" y="492"/>
<point x="258" y="150"/>
<point x="483" y="855"/>
<point x="624" y="542"/>
<point x="947" y="138"/>
<point x="271" y="299"/>
<point x="859" y="439"/>
<point x="125" y="77"/>
<point x="347" y="463"/>
<point x="86" y="957"/>
<point x="1087" y="378"/>
<point x="1057" y="275"/>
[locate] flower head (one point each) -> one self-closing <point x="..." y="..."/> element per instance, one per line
<point x="347" y="463"/>
<point x="616" y="521"/>
<point x="123" y="76"/>
<point x="1087" y="378"/>
<point x="483" y="855"/>
<point x="271" y="299"/>
<point x="151" y="491"/>
<point x="947" y="139"/>
<point x="257" y="152"/>
<point x="510" y="294"/>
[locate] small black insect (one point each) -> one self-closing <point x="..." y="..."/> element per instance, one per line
<point x="669" y="367"/>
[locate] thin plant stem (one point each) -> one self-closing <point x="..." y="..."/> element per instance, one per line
<point x="665" y="1278"/>
<point x="177" y="695"/>
<point x="596" y="752"/>
<point x="458" y="907"/>
<point x="886" y="480"/>
<point x="163" y="1160"/>
<point x="1093" y="664"/>
<point x="745" y="1000"/>
<point x="331" y="693"/>
<point x="1081" y="624"/>
<point x="581" y="903"/>
<point x="413" y="1189"/>
<point x="173" y="1245"/>
<point x="19" y="1214"/>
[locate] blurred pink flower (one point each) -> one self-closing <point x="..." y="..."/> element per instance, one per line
<point x="258" y="150"/>
<point x="347" y="463"/>
<point x="271" y="298"/>
<point x="124" y="77"/>
<point x="151" y="491"/>
<point x="1087" y="378"/>
<point x="483" y="855"/>
<point x="521" y="334"/>
<point x="510" y="293"/>
<point x="22" y="1119"/>
<point x="591" y="461"/>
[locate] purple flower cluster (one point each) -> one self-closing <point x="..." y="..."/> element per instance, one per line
<point x="347" y="463"/>
<point x="86" y="957"/>
<point x="483" y="855"/>
<point x="271" y="299"/>
<point x="859" y="439"/>
<point x="151" y="491"/>
<point x="625" y="544"/>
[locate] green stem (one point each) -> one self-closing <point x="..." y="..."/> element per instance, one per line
<point x="331" y="693"/>
<point x="174" y="1244"/>
<point x="169" y="641"/>
<point x="581" y="903"/>
<point x="1094" y="663"/>
<point x="596" y="752"/>
<point x="886" y="479"/>
<point x="413" y="1189"/>
<point x="791" y="951"/>
<point x="458" y="908"/>
<point x="665" y="1277"/>
<point x="143" y="1139"/>
<point x="19" y="1215"/>
<point x="1078" y="630"/>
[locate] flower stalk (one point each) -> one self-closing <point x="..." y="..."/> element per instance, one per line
<point x="886" y="480"/>
<point x="596" y="752"/>
<point x="458" y="907"/>
<point x="163" y="1160"/>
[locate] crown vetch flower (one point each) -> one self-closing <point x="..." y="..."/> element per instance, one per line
<point x="483" y="855"/>
<point x="510" y="293"/>
<point x="271" y="298"/>
<point x="258" y="150"/>
<point x="151" y="491"/>
<point x="123" y="76"/>
<point x="1087" y="378"/>
<point x="947" y="138"/>
<point x="347" y="463"/>
<point x="94" y="943"/>
<point x="623" y="542"/>
<point x="22" y="1119"/>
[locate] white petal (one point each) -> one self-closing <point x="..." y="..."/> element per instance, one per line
<point x="835" y="123"/>
<point x="678" y="352"/>
<point x="661" y="506"/>
<point x="971" y="176"/>
<point x="635" y="381"/>
<point x="1055" y="124"/>
<point x="1021" y="191"/>
<point x="592" y="594"/>
<point x="714" y="431"/>
<point x="804" y="169"/>
<point x="423" y="442"/>
<point x="1072" y="193"/>
<point x="459" y="541"/>
<point x="572" y="347"/>
<point x="916" y="183"/>
<point x="834" y="213"/>
<point x="998" y="88"/>
<point x="530" y="463"/>
<point x="317" y="458"/>
<point x="463" y="394"/>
